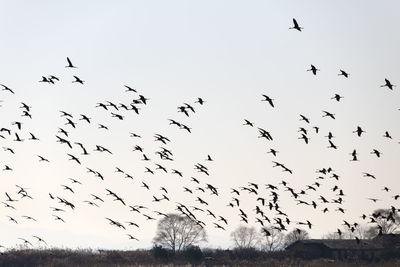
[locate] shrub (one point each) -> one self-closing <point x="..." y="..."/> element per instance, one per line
<point x="161" y="254"/>
<point x="193" y="254"/>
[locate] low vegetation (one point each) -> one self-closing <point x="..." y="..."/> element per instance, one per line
<point x="158" y="256"/>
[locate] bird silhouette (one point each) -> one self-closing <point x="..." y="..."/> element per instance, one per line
<point x="366" y="174"/>
<point x="332" y="145"/>
<point x="388" y="84"/>
<point x="328" y="114"/>
<point x="78" y="80"/>
<point x="18" y="124"/>
<point x="130" y="89"/>
<point x="304" y="118"/>
<point x="26" y="242"/>
<point x="200" y="101"/>
<point x="58" y="218"/>
<point x="376" y="152"/>
<point x="132" y="237"/>
<point x="85" y="118"/>
<point x="118" y="116"/>
<point x="387" y="135"/>
<point x="268" y="99"/>
<point x="91" y="203"/>
<point x="9" y="150"/>
<point x="39" y="239"/>
<point x="70" y="65"/>
<point x="248" y="123"/>
<point x="343" y="73"/>
<point x="296" y="26"/>
<point x="359" y="131"/>
<point x="42" y="159"/>
<point x="6" y="88"/>
<point x="337" y="97"/>
<point x="72" y="157"/>
<point x="44" y="80"/>
<point x="273" y="152"/>
<point x="219" y="226"/>
<point x="313" y="69"/>
<point x="33" y="137"/>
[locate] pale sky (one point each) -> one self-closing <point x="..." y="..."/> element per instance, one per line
<point x="227" y="52"/>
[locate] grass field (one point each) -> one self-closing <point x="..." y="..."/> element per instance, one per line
<point x="222" y="258"/>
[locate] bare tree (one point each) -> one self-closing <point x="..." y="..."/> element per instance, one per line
<point x="355" y="231"/>
<point x="245" y="237"/>
<point x="387" y="221"/>
<point x="272" y="240"/>
<point x="361" y="232"/>
<point x="343" y="234"/>
<point x="295" y="235"/>
<point x="178" y="232"/>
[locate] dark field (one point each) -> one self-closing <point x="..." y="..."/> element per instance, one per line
<point x="89" y="258"/>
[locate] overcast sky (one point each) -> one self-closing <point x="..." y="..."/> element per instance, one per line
<point x="228" y="53"/>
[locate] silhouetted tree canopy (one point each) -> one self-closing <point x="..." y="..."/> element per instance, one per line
<point x="274" y="241"/>
<point x="245" y="237"/>
<point x="386" y="221"/>
<point x="178" y="232"/>
<point x="295" y="235"/>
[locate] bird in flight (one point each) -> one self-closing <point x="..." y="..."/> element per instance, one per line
<point x="8" y="149"/>
<point x="65" y="114"/>
<point x="354" y="155"/>
<point x="39" y="239"/>
<point x="44" y="80"/>
<point x="268" y="99"/>
<point x="373" y="199"/>
<point x="313" y="69"/>
<point x="376" y="152"/>
<point x="328" y="114"/>
<point x="6" y="88"/>
<point x="85" y="118"/>
<point x="101" y="126"/>
<point x="366" y="174"/>
<point x="388" y="84"/>
<point x="132" y="237"/>
<point x="130" y="89"/>
<point x="387" y="135"/>
<point x="219" y="226"/>
<point x="247" y="122"/>
<point x="78" y="80"/>
<point x="33" y="137"/>
<point x="200" y="101"/>
<point x="7" y="205"/>
<point x="304" y="137"/>
<point x="337" y="97"/>
<point x="343" y="73"/>
<point x="359" y="131"/>
<point x="25" y="241"/>
<point x="134" y="135"/>
<point x="42" y="158"/>
<point x="57" y="218"/>
<point x="12" y="219"/>
<point x="304" y="118"/>
<point x="9" y="198"/>
<point x="18" y="124"/>
<point x="332" y="145"/>
<point x="72" y="157"/>
<point x="273" y="152"/>
<point x="296" y="25"/>
<point x="118" y="116"/>
<point x="70" y="65"/>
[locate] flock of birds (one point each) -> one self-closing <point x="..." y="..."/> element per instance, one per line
<point x="267" y="210"/>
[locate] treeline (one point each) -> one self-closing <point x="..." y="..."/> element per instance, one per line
<point x="158" y="256"/>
